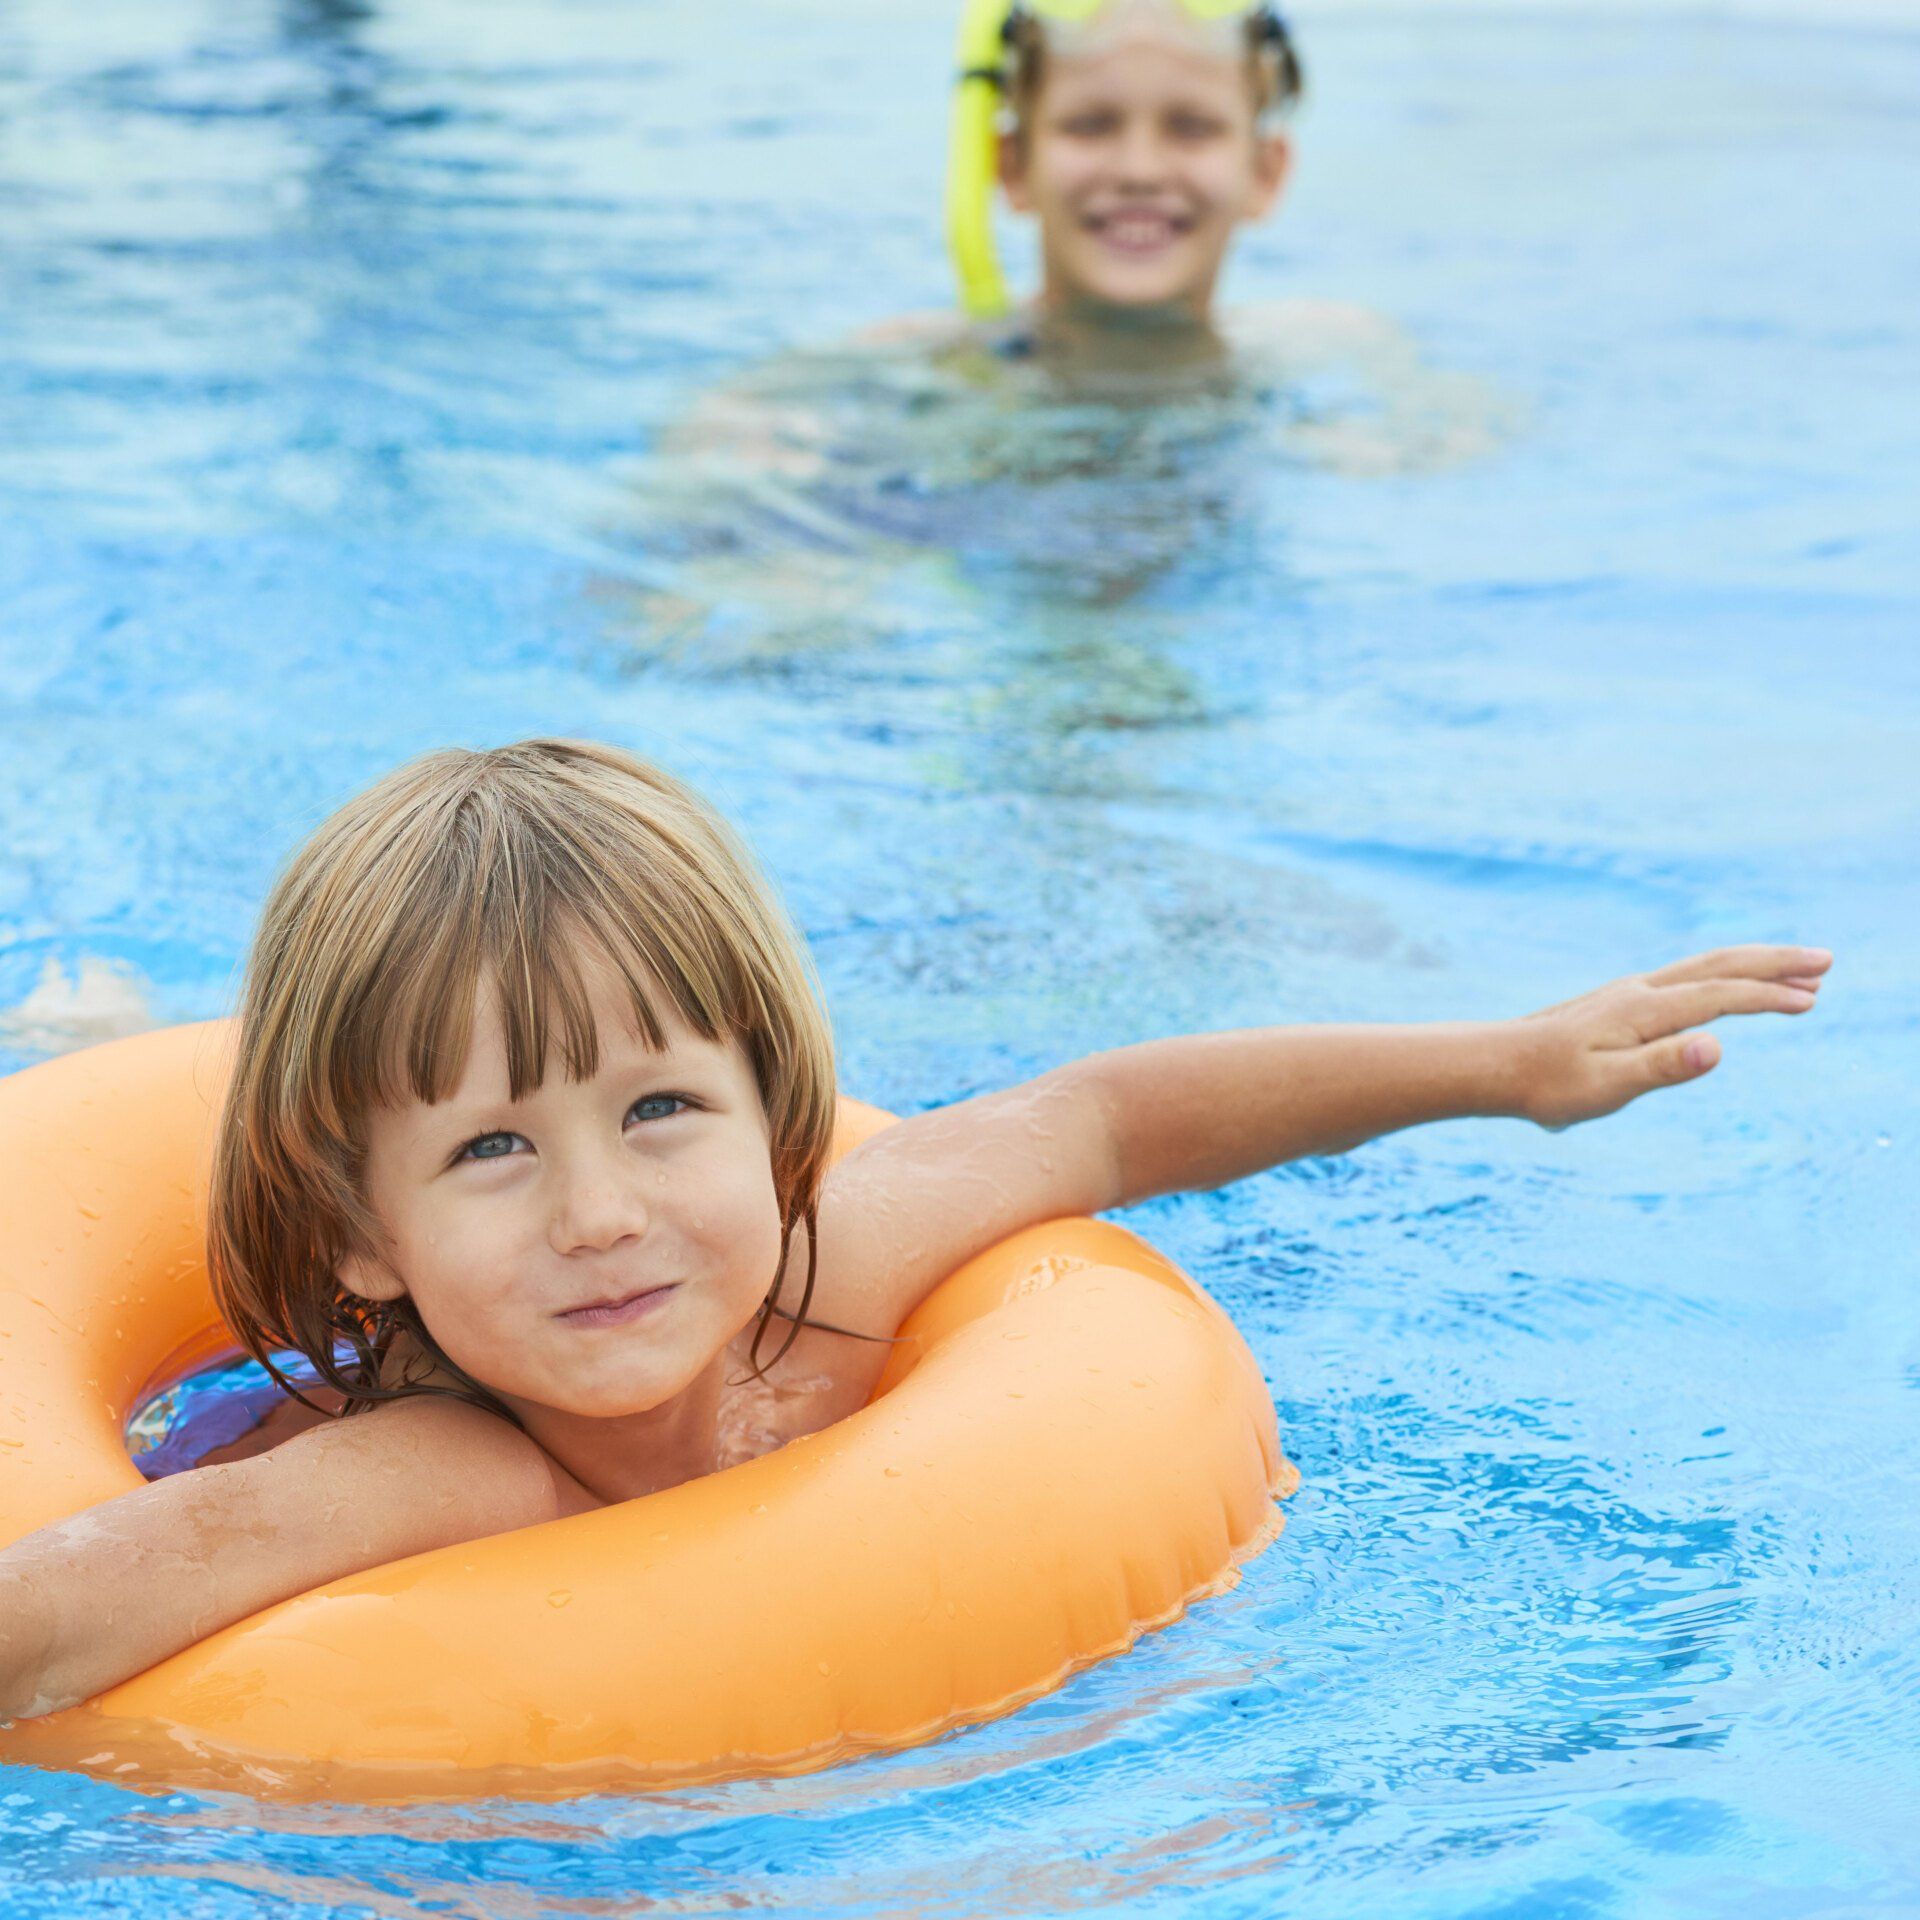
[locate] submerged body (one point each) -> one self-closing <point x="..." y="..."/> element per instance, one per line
<point x="791" y="512"/>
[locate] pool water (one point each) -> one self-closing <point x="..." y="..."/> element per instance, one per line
<point x="342" y="347"/>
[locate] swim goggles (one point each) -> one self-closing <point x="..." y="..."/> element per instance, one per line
<point x="986" y="26"/>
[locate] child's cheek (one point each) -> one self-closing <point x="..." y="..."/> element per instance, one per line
<point x="742" y="1225"/>
<point x="461" y="1264"/>
<point x="1057" y="175"/>
<point x="752" y="1215"/>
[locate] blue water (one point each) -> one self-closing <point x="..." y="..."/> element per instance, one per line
<point x="340" y="347"/>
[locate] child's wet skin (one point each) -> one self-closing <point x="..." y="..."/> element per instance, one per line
<point x="1140" y="142"/>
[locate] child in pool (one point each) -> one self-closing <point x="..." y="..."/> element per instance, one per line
<point x="530" y="1113"/>
<point x="1141" y="141"/>
<point x="1141" y="138"/>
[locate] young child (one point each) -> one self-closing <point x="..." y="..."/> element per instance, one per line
<point x="525" y="1152"/>
<point x="1142" y="138"/>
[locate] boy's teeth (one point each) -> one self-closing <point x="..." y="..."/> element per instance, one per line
<point x="1138" y="229"/>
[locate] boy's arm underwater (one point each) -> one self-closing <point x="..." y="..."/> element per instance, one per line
<point x="1204" y="1110"/>
<point x="93" y="1600"/>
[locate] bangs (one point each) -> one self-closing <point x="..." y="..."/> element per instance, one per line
<point x="526" y="909"/>
<point x="539" y="985"/>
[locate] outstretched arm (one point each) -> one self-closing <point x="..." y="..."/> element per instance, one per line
<point x="1197" y="1112"/>
<point x="1202" y="1111"/>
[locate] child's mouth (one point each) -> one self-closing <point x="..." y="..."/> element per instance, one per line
<point x="617" y="1312"/>
<point x="1137" y="230"/>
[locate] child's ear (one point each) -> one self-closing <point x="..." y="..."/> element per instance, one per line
<point x="369" y="1278"/>
<point x="1272" y="163"/>
<point x="1013" y="173"/>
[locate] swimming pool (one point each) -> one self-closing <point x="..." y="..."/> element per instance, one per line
<point x="337" y="341"/>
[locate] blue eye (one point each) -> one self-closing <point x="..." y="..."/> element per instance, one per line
<point x="490" y="1146"/>
<point x="656" y="1106"/>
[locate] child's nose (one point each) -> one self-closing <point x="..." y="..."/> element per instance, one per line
<point x="598" y="1212"/>
<point x="1143" y="156"/>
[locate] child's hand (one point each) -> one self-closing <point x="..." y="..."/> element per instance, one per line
<point x="1590" y="1056"/>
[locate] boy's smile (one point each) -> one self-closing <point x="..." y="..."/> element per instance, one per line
<point x="1137" y="230"/>
<point x="618" y="1310"/>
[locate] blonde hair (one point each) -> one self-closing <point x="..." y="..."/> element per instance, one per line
<point x="1273" y="66"/>
<point x="461" y="870"/>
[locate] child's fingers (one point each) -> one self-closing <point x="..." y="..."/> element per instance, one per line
<point x="1671" y="1062"/>
<point x="1750" y="963"/>
<point x="1685" y="1057"/>
<point x="1672" y="1009"/>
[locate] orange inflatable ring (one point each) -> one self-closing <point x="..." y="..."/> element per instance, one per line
<point x="1073" y="1445"/>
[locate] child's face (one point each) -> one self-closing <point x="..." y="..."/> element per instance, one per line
<point x="592" y="1247"/>
<point x="1138" y="160"/>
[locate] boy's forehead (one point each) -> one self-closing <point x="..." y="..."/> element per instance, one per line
<point x="1145" y="56"/>
<point x="1158" y="24"/>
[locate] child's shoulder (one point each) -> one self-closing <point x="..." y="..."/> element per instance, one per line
<point x="905" y="330"/>
<point x="432" y="1448"/>
<point x="1365" y="400"/>
<point x="921" y="331"/>
<point x="1306" y="331"/>
<point x="923" y="1196"/>
<point x="451" y="1436"/>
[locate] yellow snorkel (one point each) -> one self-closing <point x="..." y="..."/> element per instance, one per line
<point x="973" y="159"/>
<point x="973" y="146"/>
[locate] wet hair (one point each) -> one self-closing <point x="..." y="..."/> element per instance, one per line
<point x="461" y="874"/>
<point x="1273" y="64"/>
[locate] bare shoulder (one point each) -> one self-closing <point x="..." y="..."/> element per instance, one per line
<point x="1305" y="332"/>
<point x="430" y="1452"/>
<point x="925" y="1195"/>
